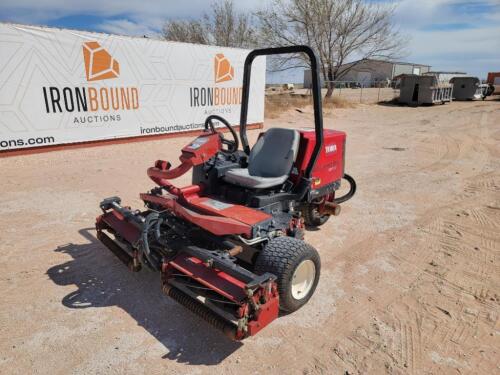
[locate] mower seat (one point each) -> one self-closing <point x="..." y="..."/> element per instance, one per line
<point x="270" y="160"/>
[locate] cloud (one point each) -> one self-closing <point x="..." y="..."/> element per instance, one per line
<point x="425" y="13"/>
<point x="474" y="51"/>
<point x="125" y="27"/>
<point x="150" y="13"/>
<point x="447" y="34"/>
<point x="452" y="34"/>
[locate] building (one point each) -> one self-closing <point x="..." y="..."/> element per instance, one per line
<point x="367" y="72"/>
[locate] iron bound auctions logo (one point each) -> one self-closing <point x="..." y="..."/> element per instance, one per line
<point x="217" y="96"/>
<point x="108" y="101"/>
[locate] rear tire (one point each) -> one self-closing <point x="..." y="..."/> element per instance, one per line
<point x="296" y="265"/>
<point x="313" y="218"/>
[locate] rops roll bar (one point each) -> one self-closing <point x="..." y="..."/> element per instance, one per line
<point x="316" y="91"/>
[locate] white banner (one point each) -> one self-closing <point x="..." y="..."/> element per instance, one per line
<point x="64" y="86"/>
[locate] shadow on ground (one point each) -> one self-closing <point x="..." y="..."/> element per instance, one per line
<point x="390" y="103"/>
<point x="103" y="281"/>
<point x="395" y="103"/>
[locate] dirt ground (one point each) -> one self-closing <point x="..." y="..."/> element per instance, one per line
<point x="410" y="277"/>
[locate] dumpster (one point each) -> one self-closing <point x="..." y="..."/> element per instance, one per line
<point x="467" y="88"/>
<point x="417" y="90"/>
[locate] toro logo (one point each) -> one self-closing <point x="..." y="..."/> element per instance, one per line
<point x="329" y="149"/>
<point x="99" y="65"/>
<point x="217" y="96"/>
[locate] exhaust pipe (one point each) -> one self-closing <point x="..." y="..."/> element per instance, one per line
<point x="331" y="208"/>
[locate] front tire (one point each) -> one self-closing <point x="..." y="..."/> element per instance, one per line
<point x="296" y="265"/>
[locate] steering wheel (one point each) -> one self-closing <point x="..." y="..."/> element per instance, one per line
<point x="232" y="145"/>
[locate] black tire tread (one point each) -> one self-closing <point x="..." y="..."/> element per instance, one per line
<point x="280" y="257"/>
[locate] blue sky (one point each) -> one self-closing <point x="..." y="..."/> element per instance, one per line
<point x="453" y="35"/>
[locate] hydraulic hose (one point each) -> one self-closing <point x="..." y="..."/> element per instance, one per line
<point x="150" y="221"/>
<point x="350" y="193"/>
<point x="157" y="232"/>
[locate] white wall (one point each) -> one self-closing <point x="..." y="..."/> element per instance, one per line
<point x="39" y="67"/>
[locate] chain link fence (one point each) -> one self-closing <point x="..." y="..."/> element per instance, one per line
<point x="367" y="92"/>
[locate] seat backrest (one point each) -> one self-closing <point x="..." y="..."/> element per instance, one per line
<point x="274" y="153"/>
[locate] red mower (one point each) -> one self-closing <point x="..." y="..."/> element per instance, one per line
<point x="230" y="246"/>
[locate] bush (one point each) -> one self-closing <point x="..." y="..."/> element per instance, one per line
<point x="276" y="104"/>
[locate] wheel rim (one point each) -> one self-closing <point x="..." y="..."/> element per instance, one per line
<point x="303" y="279"/>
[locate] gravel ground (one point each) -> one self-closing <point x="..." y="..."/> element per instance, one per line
<point x="411" y="268"/>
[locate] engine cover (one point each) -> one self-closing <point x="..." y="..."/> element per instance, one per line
<point x="329" y="167"/>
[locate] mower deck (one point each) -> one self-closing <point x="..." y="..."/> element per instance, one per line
<point x="210" y="284"/>
<point x="226" y="297"/>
